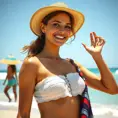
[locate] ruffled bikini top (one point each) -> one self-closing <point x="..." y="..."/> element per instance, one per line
<point x="59" y="86"/>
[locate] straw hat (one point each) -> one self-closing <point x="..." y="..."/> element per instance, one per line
<point x="10" y="60"/>
<point x="42" y="12"/>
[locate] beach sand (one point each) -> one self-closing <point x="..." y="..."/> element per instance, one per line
<point x="13" y="114"/>
<point x="9" y="110"/>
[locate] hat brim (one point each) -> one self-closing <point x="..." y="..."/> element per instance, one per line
<point x="41" y="13"/>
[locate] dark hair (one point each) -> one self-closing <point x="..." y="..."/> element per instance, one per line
<point x="37" y="45"/>
<point x="14" y="70"/>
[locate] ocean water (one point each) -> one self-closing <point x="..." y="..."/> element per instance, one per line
<point x="101" y="97"/>
<point x="102" y="103"/>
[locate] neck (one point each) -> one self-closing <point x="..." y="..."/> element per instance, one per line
<point x="50" y="50"/>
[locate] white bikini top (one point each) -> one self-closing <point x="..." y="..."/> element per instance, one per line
<point x="59" y="86"/>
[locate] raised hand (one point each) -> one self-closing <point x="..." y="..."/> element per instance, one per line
<point x="97" y="44"/>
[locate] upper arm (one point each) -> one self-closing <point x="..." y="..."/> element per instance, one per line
<point x="7" y="76"/>
<point x="92" y="79"/>
<point x="27" y="77"/>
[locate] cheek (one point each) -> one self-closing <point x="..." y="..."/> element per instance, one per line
<point x="69" y="33"/>
<point x="51" y="32"/>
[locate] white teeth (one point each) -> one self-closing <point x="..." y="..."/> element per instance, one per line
<point x="61" y="37"/>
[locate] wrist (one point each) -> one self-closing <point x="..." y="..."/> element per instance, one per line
<point x="97" y="56"/>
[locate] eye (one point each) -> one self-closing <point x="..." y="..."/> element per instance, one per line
<point x="55" y="25"/>
<point x="68" y="27"/>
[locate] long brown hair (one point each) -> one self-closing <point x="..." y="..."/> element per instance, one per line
<point x="37" y="45"/>
<point x="14" y="70"/>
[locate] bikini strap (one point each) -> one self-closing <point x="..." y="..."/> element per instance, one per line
<point x="76" y="67"/>
<point x="85" y="104"/>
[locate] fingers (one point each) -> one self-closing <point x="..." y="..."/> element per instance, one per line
<point x="92" y="39"/>
<point x="94" y="34"/>
<point x="85" y="46"/>
<point x="100" y="41"/>
<point x="96" y="40"/>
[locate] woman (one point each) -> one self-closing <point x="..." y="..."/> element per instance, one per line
<point x="57" y="84"/>
<point x="12" y="81"/>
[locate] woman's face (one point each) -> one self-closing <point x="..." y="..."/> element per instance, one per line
<point x="9" y="69"/>
<point x="58" y="29"/>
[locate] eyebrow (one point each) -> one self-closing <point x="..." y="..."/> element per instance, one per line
<point x="60" y="22"/>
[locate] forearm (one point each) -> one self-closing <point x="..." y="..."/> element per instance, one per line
<point x="23" y="116"/>
<point x="18" y="115"/>
<point x="107" y="78"/>
<point x="5" y="81"/>
<point x="17" y="78"/>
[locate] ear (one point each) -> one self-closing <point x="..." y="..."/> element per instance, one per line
<point x="43" y="27"/>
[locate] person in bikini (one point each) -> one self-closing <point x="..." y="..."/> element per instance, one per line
<point x="60" y="85"/>
<point x="12" y="81"/>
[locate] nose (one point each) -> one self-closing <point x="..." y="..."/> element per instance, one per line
<point x="61" y="30"/>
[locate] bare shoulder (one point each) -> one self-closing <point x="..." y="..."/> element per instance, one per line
<point x="30" y="64"/>
<point x="77" y="63"/>
<point x="83" y="69"/>
<point x="28" y="71"/>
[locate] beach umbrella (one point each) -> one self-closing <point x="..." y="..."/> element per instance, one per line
<point x="10" y="60"/>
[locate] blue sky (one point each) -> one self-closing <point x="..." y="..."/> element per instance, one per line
<point x="100" y="17"/>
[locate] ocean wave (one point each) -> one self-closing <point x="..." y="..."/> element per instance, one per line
<point x="116" y="72"/>
<point x="105" y="110"/>
<point x="3" y="75"/>
<point x="5" y="105"/>
<point x="14" y="105"/>
<point x="99" y="110"/>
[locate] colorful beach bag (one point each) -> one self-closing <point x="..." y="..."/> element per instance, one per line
<point x="85" y="104"/>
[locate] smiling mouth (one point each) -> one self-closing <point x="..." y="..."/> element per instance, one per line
<point x="59" y="37"/>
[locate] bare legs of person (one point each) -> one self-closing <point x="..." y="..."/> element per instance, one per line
<point x="6" y="92"/>
<point x="15" y="93"/>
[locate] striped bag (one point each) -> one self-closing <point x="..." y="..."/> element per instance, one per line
<point x="85" y="105"/>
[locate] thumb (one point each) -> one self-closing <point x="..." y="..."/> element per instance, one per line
<point x="84" y="46"/>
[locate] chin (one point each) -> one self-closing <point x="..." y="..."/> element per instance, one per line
<point x="59" y="44"/>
